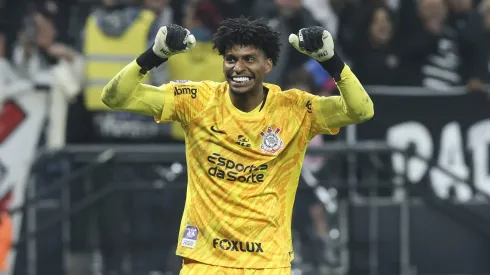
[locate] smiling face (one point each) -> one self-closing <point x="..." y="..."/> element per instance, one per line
<point x="381" y="27"/>
<point x="244" y="68"/>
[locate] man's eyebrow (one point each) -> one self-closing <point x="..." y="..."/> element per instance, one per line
<point x="243" y="55"/>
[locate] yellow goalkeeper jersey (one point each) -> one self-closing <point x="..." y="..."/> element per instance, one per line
<point x="243" y="171"/>
<point x="243" y="168"/>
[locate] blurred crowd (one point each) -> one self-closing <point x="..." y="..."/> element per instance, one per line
<point x="75" y="47"/>
<point x="71" y="49"/>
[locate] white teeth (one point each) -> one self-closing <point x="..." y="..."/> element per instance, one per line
<point x="241" y="79"/>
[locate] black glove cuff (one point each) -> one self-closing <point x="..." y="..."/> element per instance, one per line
<point x="149" y="60"/>
<point x="334" y="66"/>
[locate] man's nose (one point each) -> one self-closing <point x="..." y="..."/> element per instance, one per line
<point x="239" y="67"/>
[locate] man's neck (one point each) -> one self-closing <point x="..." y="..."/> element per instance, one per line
<point x="248" y="101"/>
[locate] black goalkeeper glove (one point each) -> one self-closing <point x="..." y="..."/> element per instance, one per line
<point x="317" y="42"/>
<point x="170" y="40"/>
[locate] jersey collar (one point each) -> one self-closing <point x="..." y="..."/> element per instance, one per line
<point x="257" y="113"/>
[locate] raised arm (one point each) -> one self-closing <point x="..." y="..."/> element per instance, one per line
<point x="353" y="105"/>
<point x="126" y="92"/>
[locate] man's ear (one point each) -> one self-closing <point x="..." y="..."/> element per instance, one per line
<point x="268" y="66"/>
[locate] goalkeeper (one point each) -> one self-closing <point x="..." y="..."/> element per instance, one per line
<point x="245" y="140"/>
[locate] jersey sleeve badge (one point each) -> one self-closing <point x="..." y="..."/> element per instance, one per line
<point x="190" y="236"/>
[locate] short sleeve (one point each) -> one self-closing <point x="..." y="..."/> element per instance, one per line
<point x="183" y="100"/>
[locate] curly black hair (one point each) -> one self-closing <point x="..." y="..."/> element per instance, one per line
<point x="242" y="31"/>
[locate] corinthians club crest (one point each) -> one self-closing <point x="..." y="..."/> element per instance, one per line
<point x="271" y="142"/>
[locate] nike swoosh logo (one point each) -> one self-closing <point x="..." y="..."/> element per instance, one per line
<point x="217" y="130"/>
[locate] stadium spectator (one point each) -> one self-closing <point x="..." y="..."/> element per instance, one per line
<point x="462" y="12"/>
<point x="420" y="28"/>
<point x="327" y="13"/>
<point x="340" y="17"/>
<point x="377" y="62"/>
<point x="161" y="9"/>
<point x="61" y="12"/>
<point x="39" y="57"/>
<point x="117" y="25"/>
<point x="287" y="16"/>
<point x="37" y="47"/>
<point x="114" y="33"/>
<point x="202" y="19"/>
<point x="435" y="52"/>
<point x="10" y="12"/>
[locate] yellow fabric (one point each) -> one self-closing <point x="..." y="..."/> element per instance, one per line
<point x="196" y="268"/>
<point x="244" y="168"/>
<point x="109" y="50"/>
<point x="127" y="92"/>
<point x="200" y="63"/>
<point x="354" y="106"/>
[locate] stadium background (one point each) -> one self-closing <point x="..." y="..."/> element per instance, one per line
<point x="97" y="192"/>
